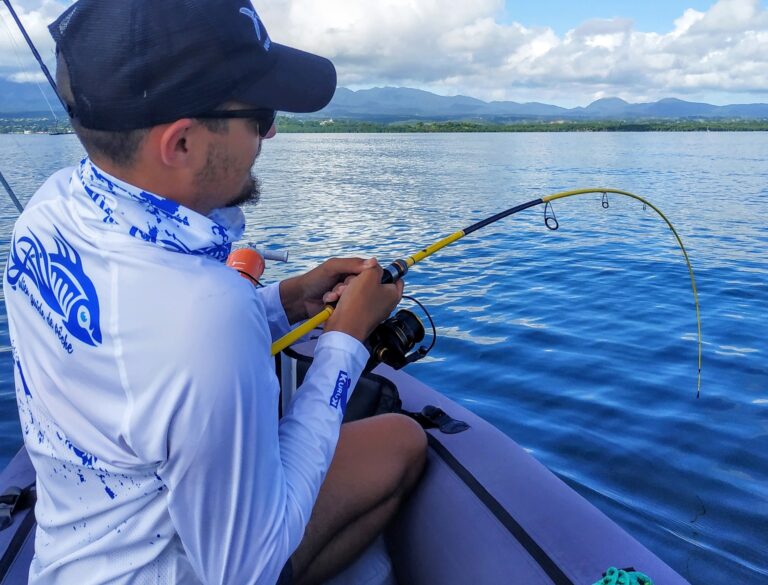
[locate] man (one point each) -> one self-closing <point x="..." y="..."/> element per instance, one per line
<point x="144" y="378"/>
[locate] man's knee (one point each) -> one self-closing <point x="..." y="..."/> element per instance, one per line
<point x="409" y="443"/>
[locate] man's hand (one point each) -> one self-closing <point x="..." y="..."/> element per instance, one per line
<point x="365" y="302"/>
<point x="304" y="296"/>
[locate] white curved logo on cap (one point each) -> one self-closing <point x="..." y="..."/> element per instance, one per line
<point x="257" y="24"/>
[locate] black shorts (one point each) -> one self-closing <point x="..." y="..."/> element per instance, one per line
<point x="286" y="575"/>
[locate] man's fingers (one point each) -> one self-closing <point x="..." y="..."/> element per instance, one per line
<point x="345" y="266"/>
<point x="397" y="288"/>
<point x="365" y="302"/>
<point x="335" y="293"/>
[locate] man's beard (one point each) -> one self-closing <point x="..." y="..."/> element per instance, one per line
<point x="249" y="194"/>
<point x="217" y="167"/>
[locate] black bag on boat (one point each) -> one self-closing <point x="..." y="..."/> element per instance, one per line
<point x="373" y="394"/>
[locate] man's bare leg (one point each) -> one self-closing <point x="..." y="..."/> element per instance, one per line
<point x="377" y="462"/>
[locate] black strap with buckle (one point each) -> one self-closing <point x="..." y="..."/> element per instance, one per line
<point x="14" y="499"/>
<point x="432" y="417"/>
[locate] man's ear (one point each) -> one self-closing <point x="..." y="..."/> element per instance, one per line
<point x="175" y="143"/>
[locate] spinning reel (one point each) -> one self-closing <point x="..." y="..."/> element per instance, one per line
<point x="392" y="339"/>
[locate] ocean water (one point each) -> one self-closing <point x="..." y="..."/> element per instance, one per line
<point x="579" y="343"/>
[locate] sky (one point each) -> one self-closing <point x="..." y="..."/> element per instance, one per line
<point x="560" y="16"/>
<point x="560" y="52"/>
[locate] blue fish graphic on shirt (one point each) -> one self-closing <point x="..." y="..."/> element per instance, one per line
<point x="61" y="280"/>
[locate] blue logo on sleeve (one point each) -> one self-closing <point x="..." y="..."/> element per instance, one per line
<point x="341" y="391"/>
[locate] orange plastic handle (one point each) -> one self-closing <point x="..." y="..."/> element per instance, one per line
<point x="248" y="262"/>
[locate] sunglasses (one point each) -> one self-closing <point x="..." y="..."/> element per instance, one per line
<point x="263" y="119"/>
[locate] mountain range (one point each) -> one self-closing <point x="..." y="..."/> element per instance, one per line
<point x="389" y="104"/>
<point x="400" y="103"/>
<point x="27" y="98"/>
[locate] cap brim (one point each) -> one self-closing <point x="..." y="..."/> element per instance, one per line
<point x="297" y="82"/>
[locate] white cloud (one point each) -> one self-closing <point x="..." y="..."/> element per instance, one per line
<point x="35" y="15"/>
<point x="27" y="77"/>
<point x="730" y="16"/>
<point x="718" y="55"/>
<point x="462" y="48"/>
<point x="683" y="24"/>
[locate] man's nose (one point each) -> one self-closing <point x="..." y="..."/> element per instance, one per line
<point x="272" y="131"/>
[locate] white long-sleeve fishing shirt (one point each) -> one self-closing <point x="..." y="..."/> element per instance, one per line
<point x="147" y="393"/>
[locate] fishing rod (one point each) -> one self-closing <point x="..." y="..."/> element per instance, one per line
<point x="11" y="194"/>
<point x="398" y="268"/>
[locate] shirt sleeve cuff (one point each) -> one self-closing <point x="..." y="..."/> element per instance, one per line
<point x="337" y="340"/>
<point x="276" y="317"/>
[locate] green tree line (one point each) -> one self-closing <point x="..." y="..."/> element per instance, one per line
<point x="45" y="125"/>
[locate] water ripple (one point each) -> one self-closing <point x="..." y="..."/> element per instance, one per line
<point x="580" y="343"/>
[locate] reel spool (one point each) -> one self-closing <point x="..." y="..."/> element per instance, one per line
<point x="392" y="339"/>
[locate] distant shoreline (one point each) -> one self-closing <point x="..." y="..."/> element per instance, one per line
<point x="287" y="124"/>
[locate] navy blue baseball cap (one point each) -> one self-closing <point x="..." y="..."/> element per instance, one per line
<point x="138" y="63"/>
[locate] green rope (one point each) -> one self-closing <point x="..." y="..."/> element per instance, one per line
<point x="614" y="576"/>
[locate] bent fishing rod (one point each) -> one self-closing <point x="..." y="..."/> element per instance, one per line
<point x="397" y="269"/>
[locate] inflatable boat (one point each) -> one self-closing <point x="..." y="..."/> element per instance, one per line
<point x="485" y="512"/>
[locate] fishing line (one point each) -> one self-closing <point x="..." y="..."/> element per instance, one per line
<point x="425" y="350"/>
<point x="15" y="47"/>
<point x="36" y="55"/>
<point x="398" y="268"/>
